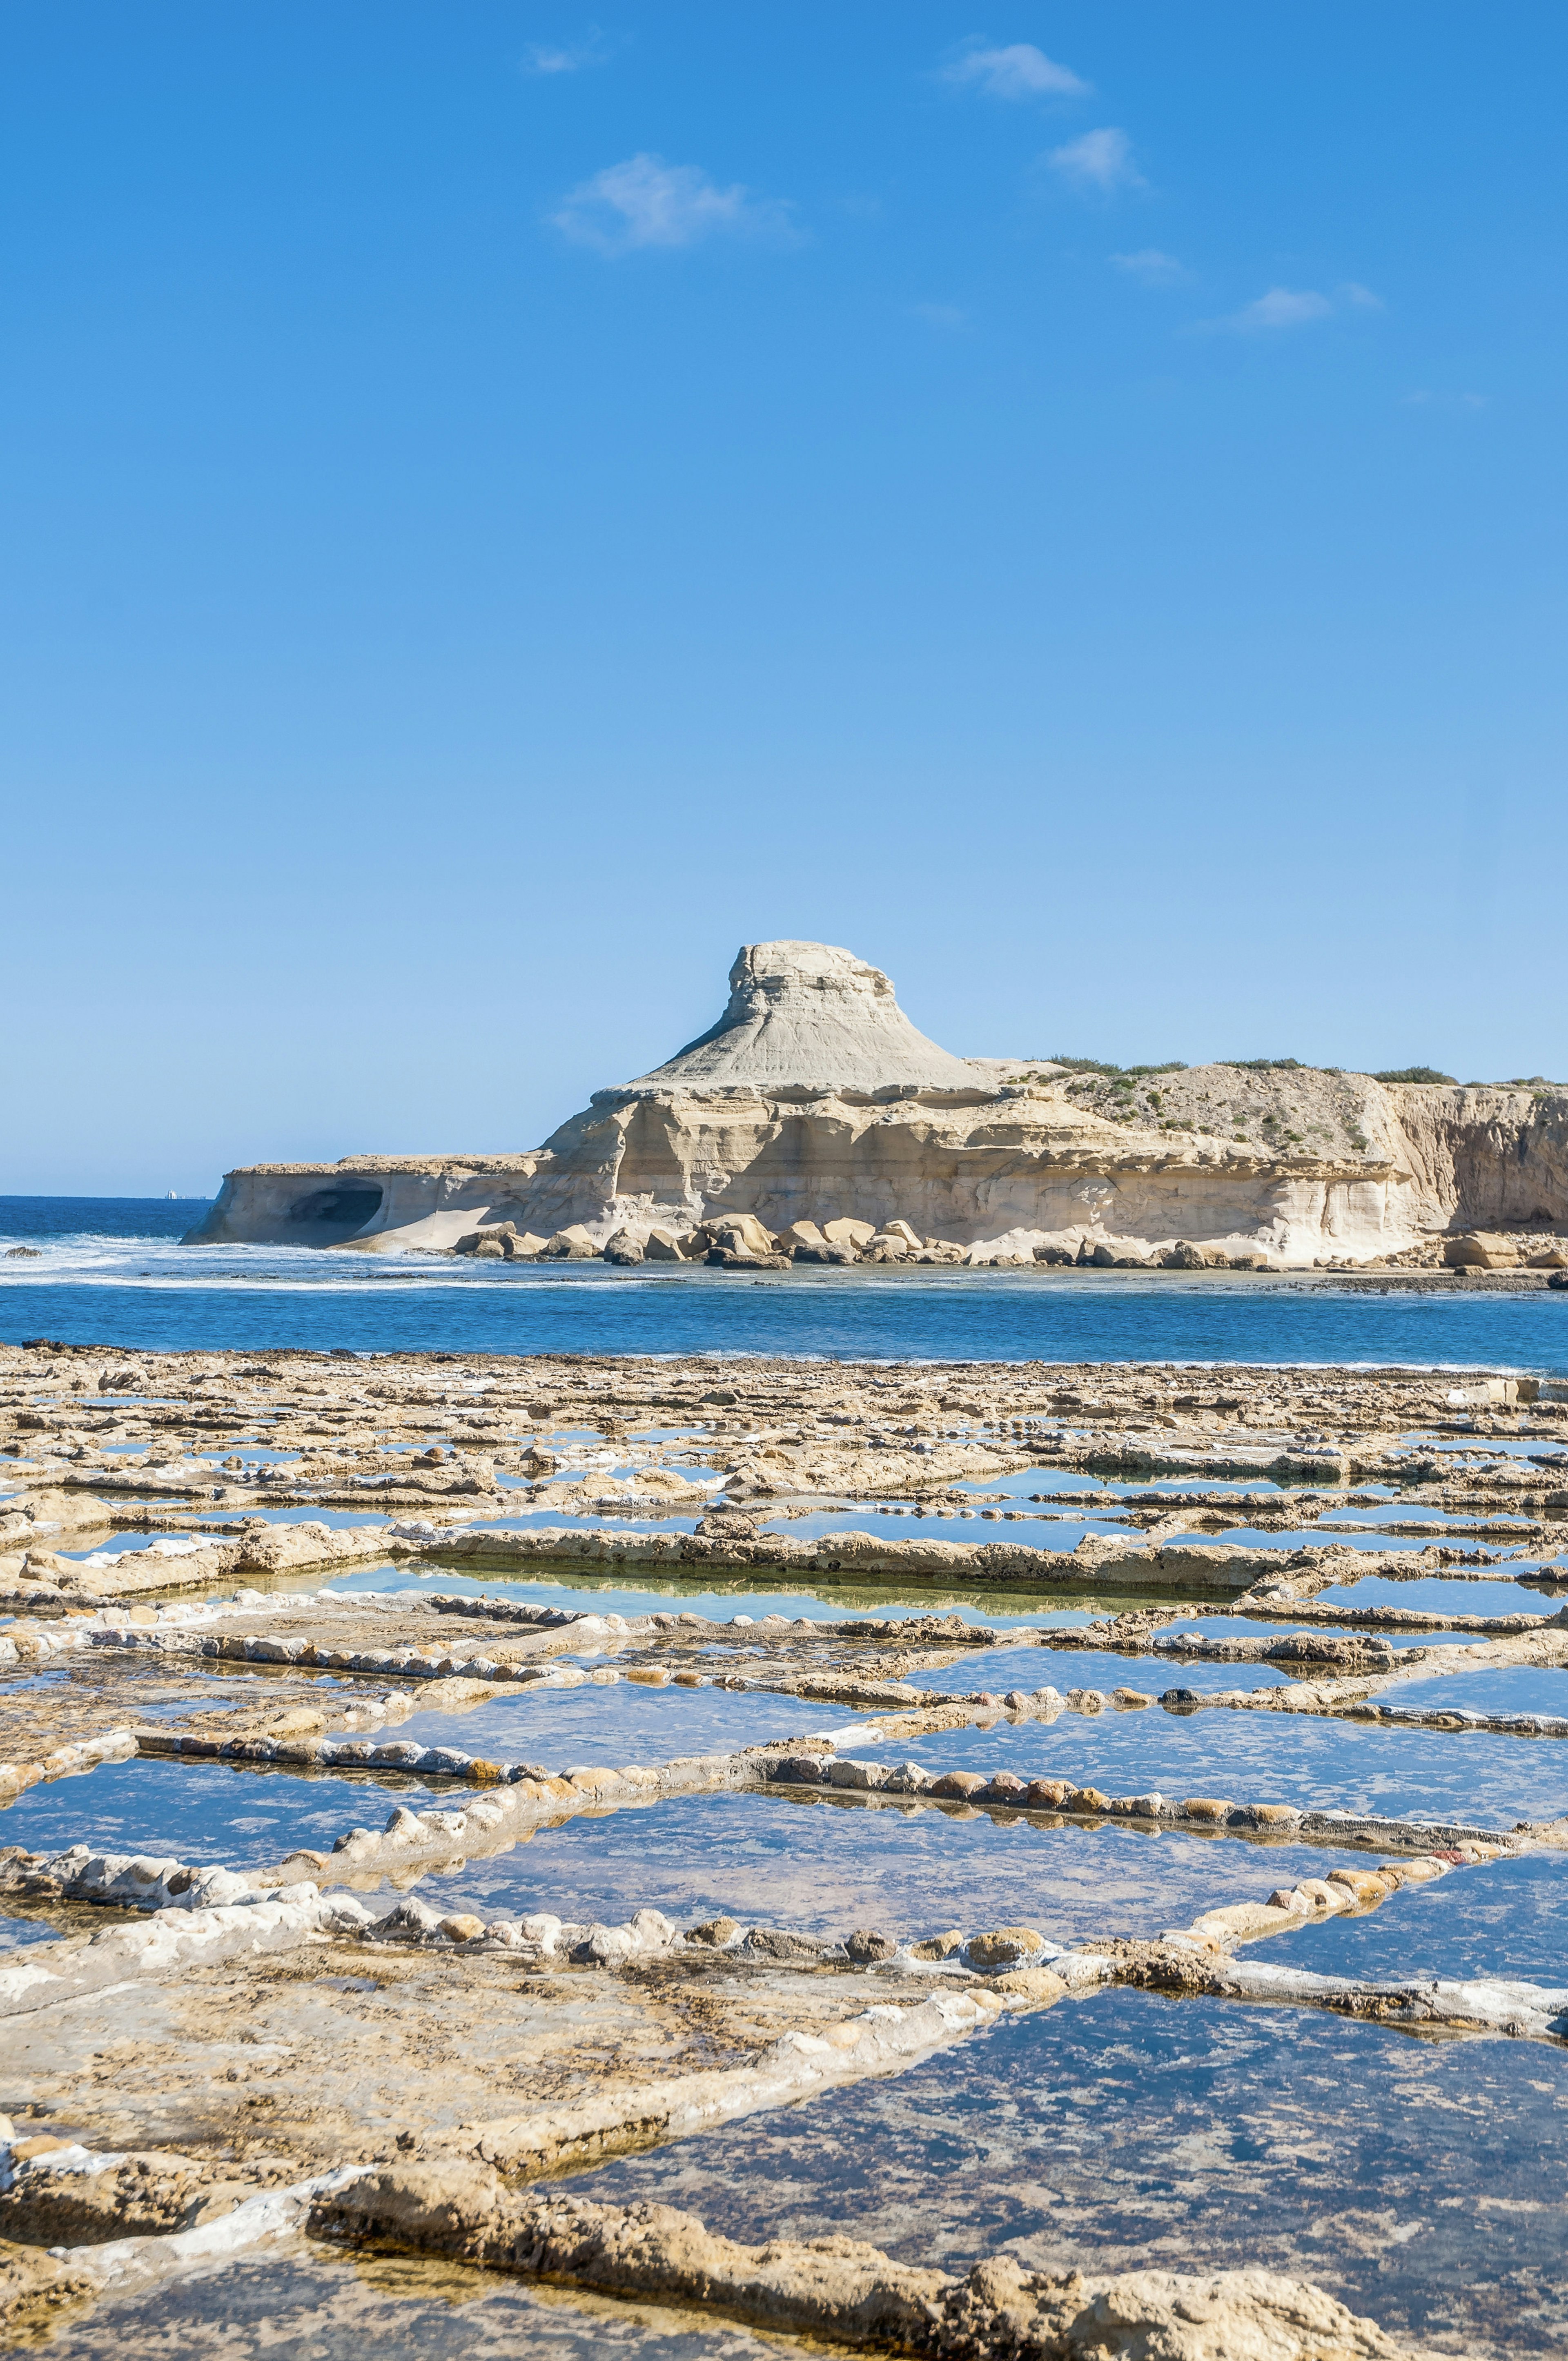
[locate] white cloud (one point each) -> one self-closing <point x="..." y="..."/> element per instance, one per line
<point x="1101" y="159"/>
<point x="1019" y="71"/>
<point x="1283" y="307"/>
<point x="940" y="315"/>
<point x="647" y="203"/>
<point x="547" y="58"/>
<point x="1153" y="267"/>
<point x="1296" y="307"/>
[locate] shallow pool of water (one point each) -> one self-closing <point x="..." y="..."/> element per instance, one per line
<point x="628" y="1722"/>
<point x="1000" y="1669"/>
<point x="1239" y="1627"/>
<point x="814" y="1862"/>
<point x="322" y="2304"/>
<point x="251" y="1455"/>
<point x="819" y="1601"/>
<point x="1042" y="1532"/>
<point x="1437" y="1596"/>
<point x="1507" y="1919"/>
<point x="17" y="1933"/>
<point x="334" y="1520"/>
<point x="829" y="1866"/>
<point x="1508" y="1689"/>
<point x="579" y="1522"/>
<point x="1422" y="2183"/>
<point x="106" y="1544"/>
<point x="1477" y="1777"/>
<point x="1306" y="1537"/>
<point x="1026" y="1482"/>
<point x="243" y="1817"/>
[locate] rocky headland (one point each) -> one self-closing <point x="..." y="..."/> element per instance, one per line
<point x="814" y="1123"/>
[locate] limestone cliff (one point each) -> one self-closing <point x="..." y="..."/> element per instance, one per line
<point x="814" y="1097"/>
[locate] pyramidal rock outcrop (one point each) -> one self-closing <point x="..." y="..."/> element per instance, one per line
<point x="807" y="1016"/>
<point x="815" y="1100"/>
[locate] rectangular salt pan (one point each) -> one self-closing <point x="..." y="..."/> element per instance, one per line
<point x="830" y="1866"/>
<point x="626" y="1723"/>
<point x="1131" y="2131"/>
<point x="1509" y="1919"/>
<point x="1478" y="1777"/>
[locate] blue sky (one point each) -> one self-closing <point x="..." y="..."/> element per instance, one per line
<point x="503" y="505"/>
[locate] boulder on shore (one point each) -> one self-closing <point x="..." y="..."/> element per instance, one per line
<point x="573" y="1244"/>
<point x="799" y="1234"/>
<point x="1480" y="1250"/>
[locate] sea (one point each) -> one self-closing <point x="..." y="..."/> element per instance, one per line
<point x="112" y="1271"/>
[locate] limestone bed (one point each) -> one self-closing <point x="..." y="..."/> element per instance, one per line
<point x="407" y="1906"/>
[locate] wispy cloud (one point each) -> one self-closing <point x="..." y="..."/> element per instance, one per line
<point x="1100" y="161"/>
<point x="1151" y="268"/>
<point x="1427" y="399"/>
<point x="565" y="58"/>
<point x="947" y="316"/>
<point x="1018" y="71"/>
<point x="1296" y="307"/>
<point x="647" y="203"/>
